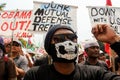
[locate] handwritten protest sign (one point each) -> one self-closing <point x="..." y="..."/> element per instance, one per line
<point x="110" y="15"/>
<point x="15" y="21"/>
<point x="45" y="15"/>
<point x="33" y="24"/>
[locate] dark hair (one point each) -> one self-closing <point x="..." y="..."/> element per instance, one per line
<point x="117" y="60"/>
<point x="16" y="43"/>
<point x="3" y="48"/>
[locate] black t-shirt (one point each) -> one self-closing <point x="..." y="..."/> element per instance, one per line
<point x="48" y="72"/>
<point x="81" y="72"/>
<point x="99" y="63"/>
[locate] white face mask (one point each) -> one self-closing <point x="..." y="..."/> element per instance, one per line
<point x="1" y="53"/>
<point x="67" y="50"/>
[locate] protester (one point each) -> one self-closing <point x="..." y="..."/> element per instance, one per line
<point x="92" y="50"/>
<point x="20" y="61"/>
<point x="61" y="45"/>
<point x="8" y="49"/>
<point x="41" y="59"/>
<point x="81" y="56"/>
<point x="7" y="66"/>
<point x="102" y="56"/>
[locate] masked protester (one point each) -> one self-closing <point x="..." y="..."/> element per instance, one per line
<point x="61" y="45"/>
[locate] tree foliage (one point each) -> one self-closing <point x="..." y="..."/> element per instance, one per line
<point x="2" y="6"/>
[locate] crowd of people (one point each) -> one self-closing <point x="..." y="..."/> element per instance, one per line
<point x="63" y="59"/>
<point x="16" y="61"/>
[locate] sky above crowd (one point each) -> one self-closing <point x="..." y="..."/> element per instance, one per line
<point x="83" y="19"/>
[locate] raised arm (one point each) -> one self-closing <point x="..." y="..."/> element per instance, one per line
<point x="105" y="33"/>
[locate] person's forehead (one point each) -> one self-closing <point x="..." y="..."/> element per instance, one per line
<point x="94" y="46"/>
<point x="7" y="44"/>
<point x="63" y="31"/>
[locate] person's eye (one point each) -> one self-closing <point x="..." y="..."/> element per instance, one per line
<point x="56" y="39"/>
<point x="72" y="37"/>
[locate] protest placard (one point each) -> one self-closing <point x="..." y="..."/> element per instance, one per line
<point x="105" y="14"/>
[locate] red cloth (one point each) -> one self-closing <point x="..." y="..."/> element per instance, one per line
<point x="85" y="54"/>
<point x="108" y="63"/>
<point x="107" y="48"/>
<point x="108" y="3"/>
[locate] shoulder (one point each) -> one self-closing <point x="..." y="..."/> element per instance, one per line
<point x="83" y="62"/>
<point x="102" y="63"/>
<point x="10" y="64"/>
<point x="31" y="73"/>
<point x="38" y="69"/>
<point x="36" y="72"/>
<point x="33" y="69"/>
<point x="89" y="68"/>
<point x="22" y="58"/>
<point x="96" y="73"/>
<point x="9" y="60"/>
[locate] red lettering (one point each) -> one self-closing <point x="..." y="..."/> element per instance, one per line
<point x="23" y="34"/>
<point x="4" y="15"/>
<point x="28" y="24"/>
<point x="12" y="26"/>
<point x="25" y="14"/>
<point x="29" y="14"/>
<point x="11" y="14"/>
<point x="22" y="24"/>
<point x="4" y="26"/>
<point x="16" y="14"/>
<point x="17" y="34"/>
<point x="18" y="25"/>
